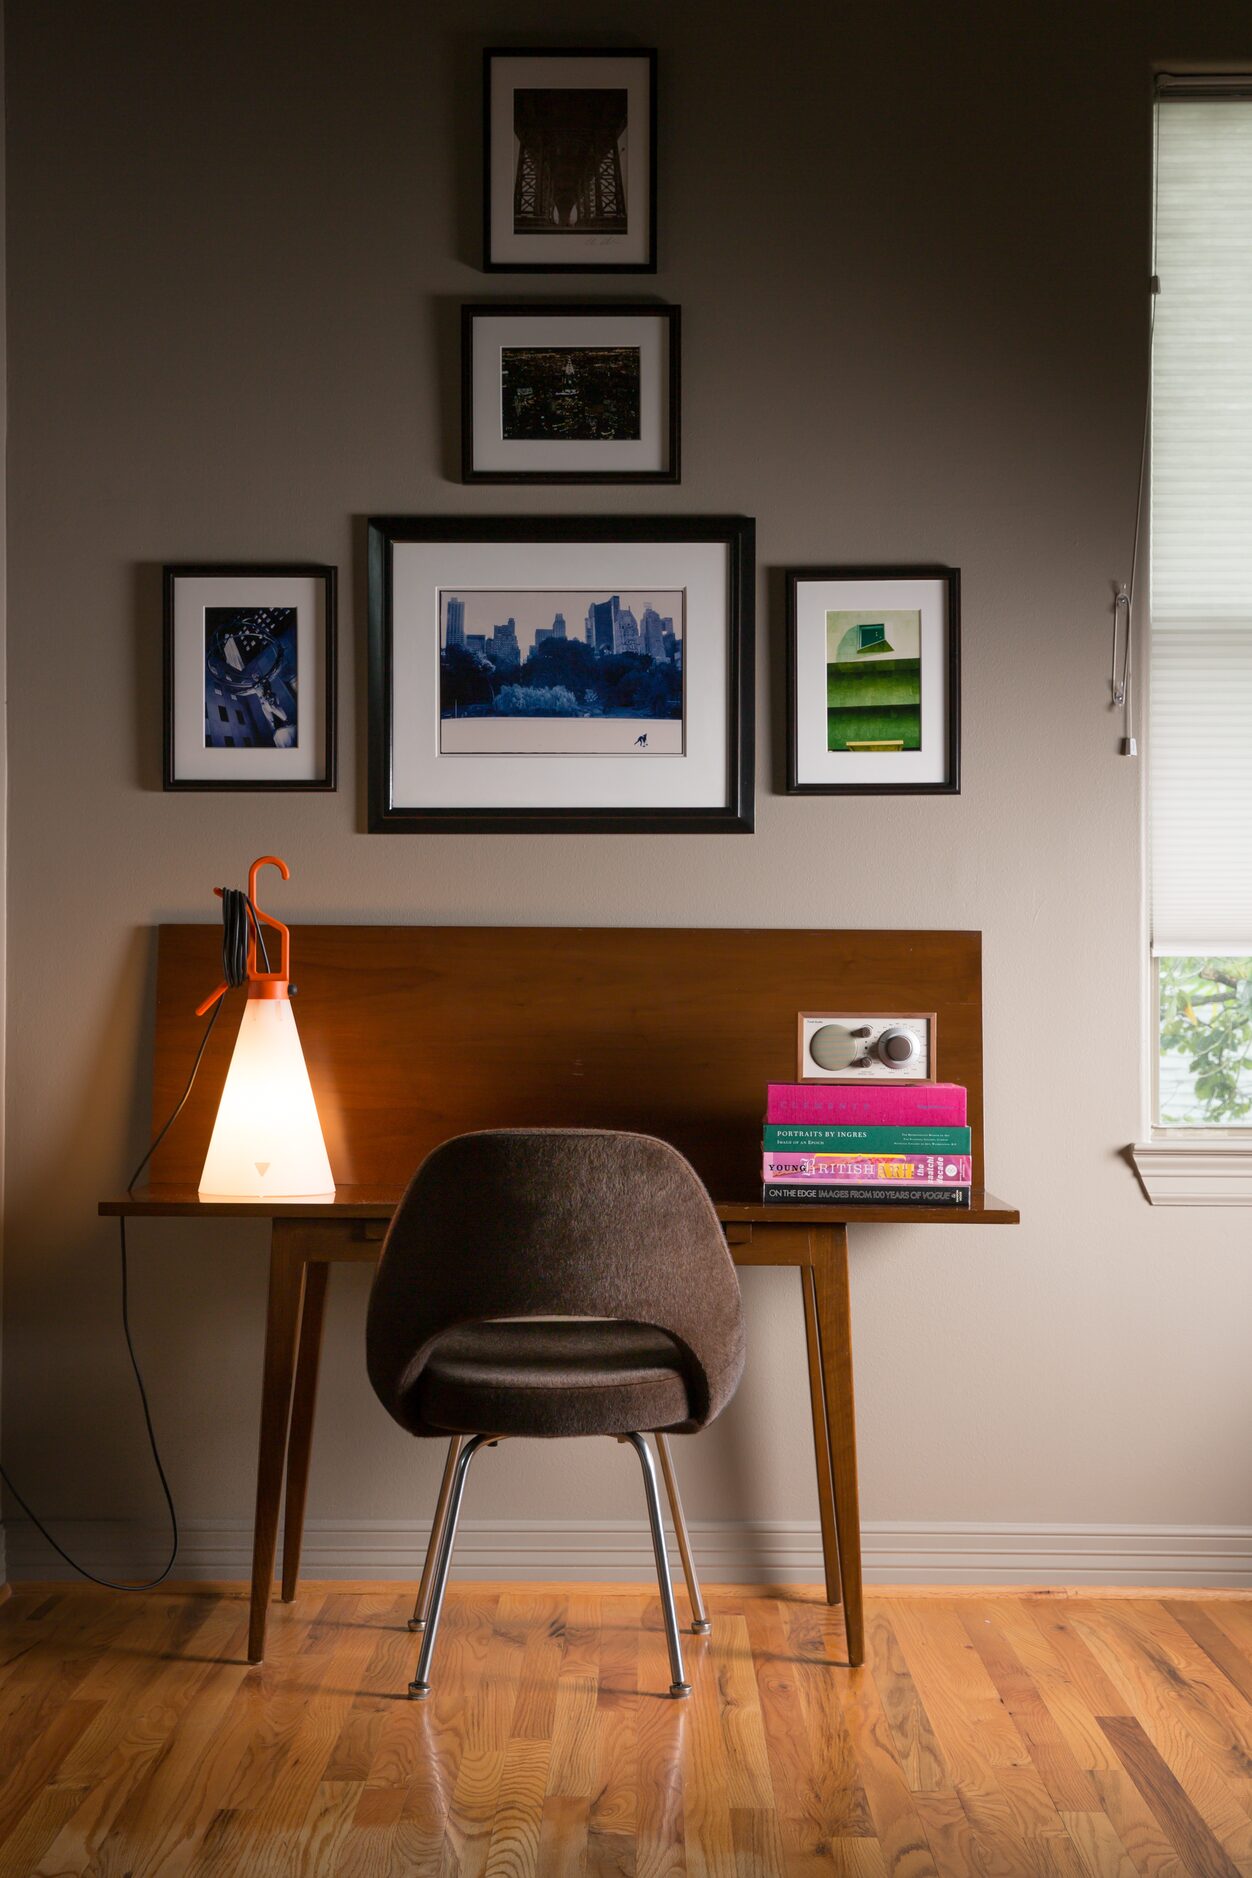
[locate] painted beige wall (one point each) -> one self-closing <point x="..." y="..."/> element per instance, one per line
<point x="910" y="244"/>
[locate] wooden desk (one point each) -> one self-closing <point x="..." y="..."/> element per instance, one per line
<point x="416" y="1033"/>
<point x="307" y="1238"/>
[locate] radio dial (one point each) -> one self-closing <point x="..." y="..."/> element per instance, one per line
<point x="897" y="1048"/>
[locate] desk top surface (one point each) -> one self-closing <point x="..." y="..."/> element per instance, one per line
<point x="184" y="1202"/>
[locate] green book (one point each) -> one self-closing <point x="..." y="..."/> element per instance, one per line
<point x="806" y="1139"/>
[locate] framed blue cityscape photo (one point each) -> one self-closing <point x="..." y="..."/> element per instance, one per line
<point x="250" y="677"/>
<point x="555" y="674"/>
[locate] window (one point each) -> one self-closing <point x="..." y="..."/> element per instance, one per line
<point x="1200" y="745"/>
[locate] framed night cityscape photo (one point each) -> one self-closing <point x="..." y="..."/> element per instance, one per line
<point x="553" y="675"/>
<point x="569" y="161"/>
<point x="562" y="394"/>
<point x="250" y="677"/>
<point x="874" y="681"/>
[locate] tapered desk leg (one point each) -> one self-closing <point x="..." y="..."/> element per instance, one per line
<point x="821" y="1439"/>
<point x="282" y="1331"/>
<point x="834" y="1331"/>
<point x="300" y="1440"/>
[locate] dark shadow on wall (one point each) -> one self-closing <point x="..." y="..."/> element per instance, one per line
<point x="775" y="637"/>
<point x="148" y="640"/>
<point x="360" y="654"/>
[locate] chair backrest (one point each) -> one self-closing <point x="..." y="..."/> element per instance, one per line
<point x="539" y="1222"/>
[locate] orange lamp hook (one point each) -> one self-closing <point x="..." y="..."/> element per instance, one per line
<point x="268" y="984"/>
<point x="260" y="984"/>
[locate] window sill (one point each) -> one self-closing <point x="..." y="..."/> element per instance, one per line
<point x="1209" y="1171"/>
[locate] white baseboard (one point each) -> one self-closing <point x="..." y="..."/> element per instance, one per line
<point x="736" y="1552"/>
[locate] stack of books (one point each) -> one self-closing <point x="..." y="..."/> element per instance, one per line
<point x="872" y="1144"/>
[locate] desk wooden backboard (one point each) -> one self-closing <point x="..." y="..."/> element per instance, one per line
<point x="416" y="1033"/>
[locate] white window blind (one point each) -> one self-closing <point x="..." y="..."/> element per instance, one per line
<point x="1200" y="785"/>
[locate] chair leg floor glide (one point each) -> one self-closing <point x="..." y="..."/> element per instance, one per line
<point x="419" y="1688"/>
<point x="430" y="1597"/>
<point x="679" y="1686"/>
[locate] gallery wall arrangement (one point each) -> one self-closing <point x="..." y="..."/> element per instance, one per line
<point x="556" y="675"/>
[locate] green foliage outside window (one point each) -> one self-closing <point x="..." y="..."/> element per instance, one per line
<point x="1206" y="1025"/>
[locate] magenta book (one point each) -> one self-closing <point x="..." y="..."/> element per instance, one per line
<point x="876" y="1105"/>
<point x="909" y="1170"/>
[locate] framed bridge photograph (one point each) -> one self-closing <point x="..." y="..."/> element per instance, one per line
<point x="569" y="160"/>
<point x="565" y="394"/>
<point x="553" y="675"/>
<point x="874" y="681"/>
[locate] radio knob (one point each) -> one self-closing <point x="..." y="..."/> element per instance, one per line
<point x="897" y="1048"/>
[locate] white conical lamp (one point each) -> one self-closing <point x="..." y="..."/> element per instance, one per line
<point x="267" y="1140"/>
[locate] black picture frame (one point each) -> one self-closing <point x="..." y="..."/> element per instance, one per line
<point x="951" y="578"/>
<point x="492" y="264"/>
<point x="734" y="816"/>
<point x="616" y="310"/>
<point x="328" y="576"/>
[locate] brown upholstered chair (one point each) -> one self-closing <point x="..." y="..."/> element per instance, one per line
<point x="554" y="1281"/>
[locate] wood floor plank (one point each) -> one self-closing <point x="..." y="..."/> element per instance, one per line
<point x="38" y="1828"/>
<point x="115" y="1756"/>
<point x="1102" y="1852"/>
<point x="725" y="1662"/>
<point x="783" y="1716"/>
<point x="617" y="1699"/>
<point x="1215" y="1712"/>
<point x="911" y="1731"/>
<point x="1204" y="1626"/>
<point x="1086" y="1741"/>
<point x="465" y="1637"/>
<point x="835" y="1797"/>
<point x="1187" y="1831"/>
<point x="1163" y="1719"/>
<point x="974" y="1729"/>
<point x="1049" y="1752"/>
<point x="37" y="1766"/>
<point x="514" y="1848"/>
<point x="757" y="1842"/>
<point x="706" y="1776"/>
<point x="563" y="1828"/>
<point x="897" y="1824"/>
<point x="1136" y="1825"/>
<point x="998" y="1735"/>
<point x="661" y="1728"/>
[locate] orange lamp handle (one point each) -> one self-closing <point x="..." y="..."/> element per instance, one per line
<point x="260" y="984"/>
<point x="277" y="980"/>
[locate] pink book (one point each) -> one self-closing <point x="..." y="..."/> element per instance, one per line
<point x="875" y="1105"/>
<point x="871" y="1170"/>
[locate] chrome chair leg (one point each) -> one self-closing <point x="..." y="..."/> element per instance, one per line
<point x="421" y="1610"/>
<point x="419" y="1688"/>
<point x="679" y="1686"/>
<point x="699" y="1616"/>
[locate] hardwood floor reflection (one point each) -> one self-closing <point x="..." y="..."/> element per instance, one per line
<point x="998" y="1733"/>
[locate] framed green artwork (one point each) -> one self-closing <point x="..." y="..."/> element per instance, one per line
<point x="873" y="681"/>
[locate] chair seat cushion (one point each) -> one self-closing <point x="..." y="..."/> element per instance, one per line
<point x="545" y="1377"/>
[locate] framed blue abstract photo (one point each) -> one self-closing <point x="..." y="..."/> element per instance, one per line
<point x="250" y="677"/>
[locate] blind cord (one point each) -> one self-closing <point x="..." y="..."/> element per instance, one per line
<point x="238" y="914"/>
<point x="1123" y="692"/>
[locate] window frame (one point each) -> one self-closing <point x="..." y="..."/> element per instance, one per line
<point x="1177" y="1165"/>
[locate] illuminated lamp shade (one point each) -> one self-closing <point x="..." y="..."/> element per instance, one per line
<point x="267" y="1140"/>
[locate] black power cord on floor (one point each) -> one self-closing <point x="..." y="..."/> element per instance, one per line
<point x="238" y="914"/>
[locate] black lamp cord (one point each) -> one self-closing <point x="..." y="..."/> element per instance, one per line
<point x="238" y="913"/>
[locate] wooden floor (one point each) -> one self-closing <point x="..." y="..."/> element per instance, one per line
<point x="996" y="1734"/>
